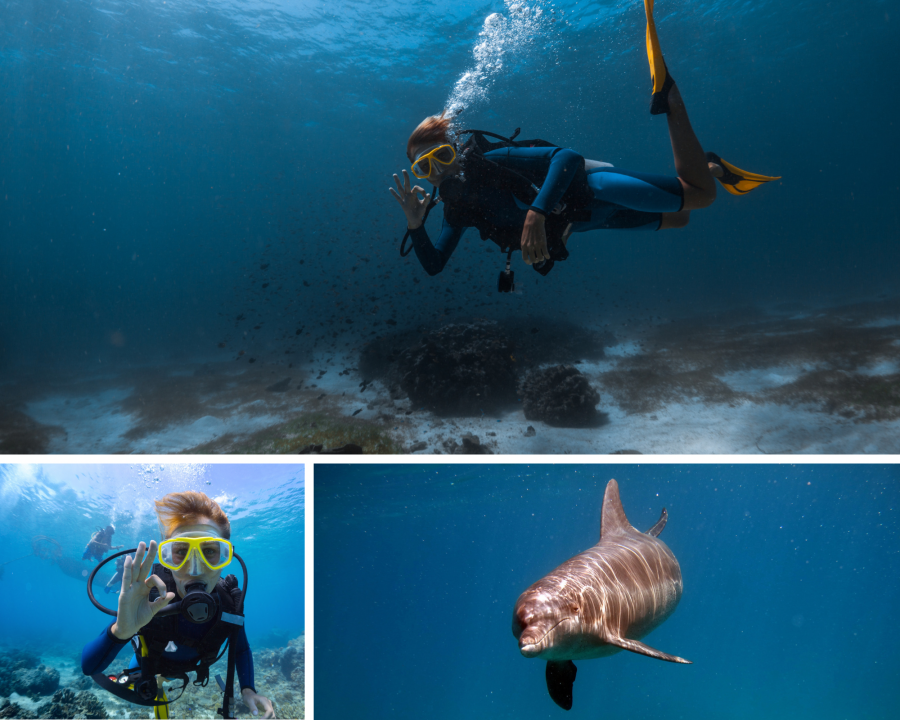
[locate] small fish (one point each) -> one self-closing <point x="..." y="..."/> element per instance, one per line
<point x="356" y="412"/>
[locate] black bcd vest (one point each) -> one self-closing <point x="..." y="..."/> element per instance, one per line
<point x="161" y="630"/>
<point x="488" y="183"/>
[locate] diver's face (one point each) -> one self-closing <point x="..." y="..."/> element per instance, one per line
<point x="439" y="172"/>
<point x="193" y="572"/>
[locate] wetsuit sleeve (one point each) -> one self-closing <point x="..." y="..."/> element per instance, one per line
<point x="434" y="257"/>
<point x="244" y="661"/>
<point x="564" y="163"/>
<point x="101" y="651"/>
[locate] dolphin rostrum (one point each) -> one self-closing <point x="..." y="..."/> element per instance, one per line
<point x="601" y="601"/>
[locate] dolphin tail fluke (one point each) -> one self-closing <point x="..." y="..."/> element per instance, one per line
<point x="660" y="524"/>
<point x="560" y="678"/>
<point x="639" y="647"/>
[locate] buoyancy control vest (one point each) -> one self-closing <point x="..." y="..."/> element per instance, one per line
<point x="151" y="641"/>
<point x="467" y="200"/>
<point x="160" y="631"/>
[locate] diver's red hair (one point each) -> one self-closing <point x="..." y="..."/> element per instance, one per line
<point x="186" y="508"/>
<point x="431" y="130"/>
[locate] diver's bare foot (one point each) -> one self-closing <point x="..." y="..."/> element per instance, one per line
<point x="716" y="170"/>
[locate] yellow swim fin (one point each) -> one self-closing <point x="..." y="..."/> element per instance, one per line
<point x="735" y="180"/>
<point x="662" y="80"/>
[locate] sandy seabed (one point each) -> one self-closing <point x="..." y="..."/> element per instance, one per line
<point x="823" y="380"/>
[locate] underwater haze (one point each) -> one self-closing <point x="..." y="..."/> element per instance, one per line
<point x="49" y="512"/>
<point x="790" y="590"/>
<point x="190" y="183"/>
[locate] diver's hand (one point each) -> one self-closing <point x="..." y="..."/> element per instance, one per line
<point x="413" y="208"/>
<point x="251" y="700"/>
<point x="135" y="610"/>
<point x="534" y="239"/>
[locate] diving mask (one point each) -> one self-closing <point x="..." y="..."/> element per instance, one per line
<point x="195" y="554"/>
<point x="441" y="154"/>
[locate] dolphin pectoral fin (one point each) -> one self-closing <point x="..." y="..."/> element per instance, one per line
<point x="560" y="677"/>
<point x="639" y="647"/>
<point x="660" y="524"/>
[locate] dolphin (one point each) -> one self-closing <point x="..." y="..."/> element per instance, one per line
<point x="600" y="602"/>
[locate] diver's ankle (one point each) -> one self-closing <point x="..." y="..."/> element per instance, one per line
<point x="675" y="101"/>
<point x="716" y="170"/>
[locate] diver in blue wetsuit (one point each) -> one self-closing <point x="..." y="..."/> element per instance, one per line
<point x="179" y="612"/>
<point x="532" y="195"/>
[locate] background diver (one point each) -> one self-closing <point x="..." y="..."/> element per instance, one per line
<point x="531" y="195"/>
<point x="194" y="550"/>
<point x="100" y="544"/>
<point x="116" y="579"/>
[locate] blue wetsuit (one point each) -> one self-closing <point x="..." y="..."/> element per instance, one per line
<point x="100" y="652"/>
<point x="623" y="200"/>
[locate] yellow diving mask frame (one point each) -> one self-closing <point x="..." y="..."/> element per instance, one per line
<point x="213" y="552"/>
<point x="441" y="154"/>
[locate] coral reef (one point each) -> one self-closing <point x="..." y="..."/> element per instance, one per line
<point x="35" y="682"/>
<point x="66" y="704"/>
<point x="471" y="445"/>
<point x="280" y="676"/>
<point x="470" y="368"/>
<point x="560" y="396"/>
<point x="21" y="672"/>
<point x="460" y="369"/>
<point x="10" y="710"/>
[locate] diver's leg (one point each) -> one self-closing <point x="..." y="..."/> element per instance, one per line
<point x="690" y="160"/>
<point x="612" y="217"/>
<point x="673" y="221"/>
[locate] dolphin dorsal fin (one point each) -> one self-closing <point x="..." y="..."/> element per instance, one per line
<point x="612" y="518"/>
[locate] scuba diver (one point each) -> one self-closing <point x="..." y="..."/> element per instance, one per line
<point x="177" y="611"/>
<point x="117" y="578"/>
<point x="532" y="195"/>
<point x="100" y="544"/>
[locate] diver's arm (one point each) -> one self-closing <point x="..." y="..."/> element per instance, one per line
<point x="564" y="163"/>
<point x="101" y="651"/>
<point x="244" y="661"/>
<point x="244" y="665"/>
<point x="434" y="257"/>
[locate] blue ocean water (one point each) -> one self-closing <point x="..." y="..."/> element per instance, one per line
<point x="790" y="590"/>
<point x="155" y="156"/>
<point x="44" y="605"/>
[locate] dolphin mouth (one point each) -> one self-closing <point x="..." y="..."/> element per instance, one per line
<point x="533" y="648"/>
